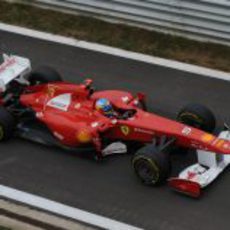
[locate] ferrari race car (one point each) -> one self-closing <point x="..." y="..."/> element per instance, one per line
<point x="39" y="106"/>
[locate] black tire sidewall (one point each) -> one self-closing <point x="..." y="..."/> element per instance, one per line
<point x="44" y="75"/>
<point x="200" y="115"/>
<point x="150" y="164"/>
<point x="7" y="124"/>
<point x="156" y="161"/>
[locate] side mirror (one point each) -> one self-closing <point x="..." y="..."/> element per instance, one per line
<point x="141" y="98"/>
<point x="88" y="83"/>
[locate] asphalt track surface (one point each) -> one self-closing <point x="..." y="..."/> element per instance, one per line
<point x="110" y="188"/>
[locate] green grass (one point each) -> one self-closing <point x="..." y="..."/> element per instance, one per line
<point x="117" y="35"/>
<point x="4" y="228"/>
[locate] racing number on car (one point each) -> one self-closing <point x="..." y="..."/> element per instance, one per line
<point x="125" y="130"/>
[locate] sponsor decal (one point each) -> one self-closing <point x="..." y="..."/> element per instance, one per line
<point x="84" y="136"/>
<point x="207" y="137"/>
<point x="197" y="145"/>
<point x="77" y="106"/>
<point x="61" y="102"/>
<point x="125" y="130"/>
<point x="58" y="135"/>
<point x="186" y="131"/>
<point x="191" y="175"/>
<point x="220" y="143"/>
<point x="196" y="172"/>
<point x="57" y="104"/>
<point x="139" y="130"/>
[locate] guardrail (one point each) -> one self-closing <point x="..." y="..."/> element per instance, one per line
<point x="207" y="20"/>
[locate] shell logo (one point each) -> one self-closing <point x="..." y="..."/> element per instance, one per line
<point x="220" y="143"/>
<point x="84" y="136"/>
<point x="207" y="137"/>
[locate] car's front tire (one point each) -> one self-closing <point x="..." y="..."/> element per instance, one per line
<point x="197" y="116"/>
<point x="151" y="165"/>
<point x="7" y="124"/>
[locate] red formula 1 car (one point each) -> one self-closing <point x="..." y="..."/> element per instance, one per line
<point x="39" y="106"/>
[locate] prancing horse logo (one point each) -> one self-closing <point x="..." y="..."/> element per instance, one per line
<point x="125" y="130"/>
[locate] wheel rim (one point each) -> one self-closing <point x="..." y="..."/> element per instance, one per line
<point x="1" y="132"/>
<point x="146" y="170"/>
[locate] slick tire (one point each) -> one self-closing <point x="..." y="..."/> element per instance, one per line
<point x="44" y="75"/>
<point x="151" y="166"/>
<point x="7" y="125"/>
<point x="197" y="116"/>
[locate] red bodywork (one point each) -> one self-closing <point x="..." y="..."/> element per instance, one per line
<point x="77" y="123"/>
<point x="189" y="187"/>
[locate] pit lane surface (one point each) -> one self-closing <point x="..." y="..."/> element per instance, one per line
<point x="110" y="188"/>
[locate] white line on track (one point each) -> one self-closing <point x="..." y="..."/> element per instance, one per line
<point x="63" y="210"/>
<point x="116" y="52"/>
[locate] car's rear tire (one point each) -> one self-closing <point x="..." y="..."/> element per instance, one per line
<point x="7" y="124"/>
<point x="197" y="116"/>
<point x="151" y="165"/>
<point x="44" y="75"/>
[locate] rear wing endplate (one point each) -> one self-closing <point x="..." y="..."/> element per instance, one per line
<point x="11" y="68"/>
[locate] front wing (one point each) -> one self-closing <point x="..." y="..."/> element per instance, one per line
<point x="195" y="177"/>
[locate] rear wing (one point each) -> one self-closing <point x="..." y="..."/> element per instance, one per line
<point x="11" y="68"/>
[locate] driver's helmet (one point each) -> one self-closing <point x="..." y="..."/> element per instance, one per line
<point x="104" y="106"/>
